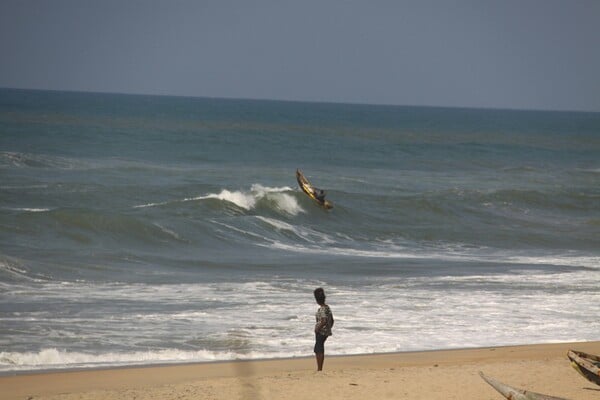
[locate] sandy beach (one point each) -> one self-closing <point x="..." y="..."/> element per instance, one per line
<point x="445" y="374"/>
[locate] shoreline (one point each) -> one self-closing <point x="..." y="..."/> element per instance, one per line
<point x="291" y="358"/>
<point x="259" y="360"/>
<point x="538" y="367"/>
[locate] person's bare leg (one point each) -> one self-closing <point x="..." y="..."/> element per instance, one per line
<point x="320" y="359"/>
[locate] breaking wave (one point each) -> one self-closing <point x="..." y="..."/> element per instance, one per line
<point x="52" y="358"/>
<point x="246" y="200"/>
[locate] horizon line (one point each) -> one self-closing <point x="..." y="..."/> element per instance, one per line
<point x="325" y="102"/>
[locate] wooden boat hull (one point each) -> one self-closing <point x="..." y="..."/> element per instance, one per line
<point x="512" y="393"/>
<point x="309" y="190"/>
<point x="588" y="365"/>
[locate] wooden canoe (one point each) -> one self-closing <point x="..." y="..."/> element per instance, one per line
<point x="588" y="365"/>
<point x="512" y="393"/>
<point x="310" y="190"/>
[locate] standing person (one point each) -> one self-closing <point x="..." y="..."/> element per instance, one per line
<point x="323" y="327"/>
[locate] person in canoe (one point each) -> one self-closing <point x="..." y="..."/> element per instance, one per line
<point x="314" y="193"/>
<point x="320" y="195"/>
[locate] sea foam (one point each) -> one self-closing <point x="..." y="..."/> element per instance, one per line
<point x="246" y="199"/>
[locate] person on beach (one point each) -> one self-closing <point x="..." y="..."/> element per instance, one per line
<point x="323" y="326"/>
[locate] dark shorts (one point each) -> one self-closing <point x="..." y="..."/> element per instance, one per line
<point x="320" y="343"/>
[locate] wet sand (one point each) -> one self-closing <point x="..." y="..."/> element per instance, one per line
<point x="444" y="374"/>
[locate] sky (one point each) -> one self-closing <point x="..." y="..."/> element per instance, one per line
<point x="517" y="54"/>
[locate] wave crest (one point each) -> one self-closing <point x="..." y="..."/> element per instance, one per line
<point x="28" y="160"/>
<point x="270" y="197"/>
<point x="52" y="358"/>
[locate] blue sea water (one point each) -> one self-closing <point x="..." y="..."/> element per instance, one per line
<point x="147" y="229"/>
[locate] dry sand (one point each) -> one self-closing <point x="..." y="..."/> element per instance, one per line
<point x="449" y="374"/>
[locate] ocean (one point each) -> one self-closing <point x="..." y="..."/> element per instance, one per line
<point x="141" y="230"/>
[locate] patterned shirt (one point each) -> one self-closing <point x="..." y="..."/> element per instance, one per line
<point x="324" y="314"/>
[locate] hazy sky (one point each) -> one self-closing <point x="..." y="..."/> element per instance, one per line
<point x="538" y="54"/>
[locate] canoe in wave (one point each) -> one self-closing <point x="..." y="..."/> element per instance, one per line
<point x="311" y="191"/>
